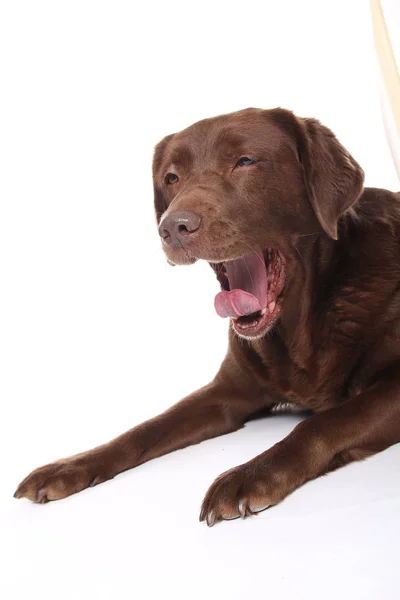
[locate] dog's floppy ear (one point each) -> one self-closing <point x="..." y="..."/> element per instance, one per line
<point x="333" y="179"/>
<point x="160" y="204"/>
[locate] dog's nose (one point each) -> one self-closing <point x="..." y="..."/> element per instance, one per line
<point x="178" y="227"/>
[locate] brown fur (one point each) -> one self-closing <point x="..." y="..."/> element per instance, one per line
<point x="335" y="349"/>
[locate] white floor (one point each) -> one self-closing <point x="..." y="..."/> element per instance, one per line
<point x="139" y="535"/>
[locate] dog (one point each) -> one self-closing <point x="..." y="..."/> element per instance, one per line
<point x="308" y="262"/>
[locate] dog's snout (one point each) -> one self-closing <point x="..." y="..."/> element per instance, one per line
<point x="178" y="227"/>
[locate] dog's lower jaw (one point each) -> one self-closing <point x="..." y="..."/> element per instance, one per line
<point x="262" y="327"/>
<point x="258" y="336"/>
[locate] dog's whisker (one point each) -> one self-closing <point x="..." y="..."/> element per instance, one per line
<point x="308" y="234"/>
<point x="255" y="252"/>
<point x="247" y="267"/>
<point x="301" y="258"/>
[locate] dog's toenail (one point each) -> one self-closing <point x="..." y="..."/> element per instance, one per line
<point x="242" y="507"/>
<point x="211" y="518"/>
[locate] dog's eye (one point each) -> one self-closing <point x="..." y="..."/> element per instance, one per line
<point x="171" y="178"/>
<point x="245" y="161"/>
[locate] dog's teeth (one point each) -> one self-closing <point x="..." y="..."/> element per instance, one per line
<point x="247" y="325"/>
<point x="264" y="310"/>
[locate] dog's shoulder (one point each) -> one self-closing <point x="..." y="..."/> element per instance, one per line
<point x="378" y="207"/>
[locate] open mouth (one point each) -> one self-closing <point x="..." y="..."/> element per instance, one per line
<point x="251" y="291"/>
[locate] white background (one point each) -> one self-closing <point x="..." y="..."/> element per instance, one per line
<point x="98" y="333"/>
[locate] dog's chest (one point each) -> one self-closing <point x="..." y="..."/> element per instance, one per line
<point x="294" y="384"/>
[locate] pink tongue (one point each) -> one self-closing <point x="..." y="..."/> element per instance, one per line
<point x="236" y="304"/>
<point x="249" y="287"/>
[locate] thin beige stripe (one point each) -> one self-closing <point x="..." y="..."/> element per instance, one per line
<point x="387" y="60"/>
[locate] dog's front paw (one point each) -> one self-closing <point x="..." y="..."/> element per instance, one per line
<point x="241" y="492"/>
<point x="61" y="479"/>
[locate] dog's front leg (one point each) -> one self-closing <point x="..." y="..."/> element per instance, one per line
<point x="218" y="408"/>
<point x="353" y="430"/>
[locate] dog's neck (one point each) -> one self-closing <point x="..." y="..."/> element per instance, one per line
<point x="319" y="255"/>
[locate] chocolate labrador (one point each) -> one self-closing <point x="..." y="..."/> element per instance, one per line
<point x="309" y="267"/>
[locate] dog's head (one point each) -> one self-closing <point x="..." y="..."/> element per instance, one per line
<point x="239" y="191"/>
